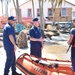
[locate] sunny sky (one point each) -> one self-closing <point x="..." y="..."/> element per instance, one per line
<point x="22" y="1"/>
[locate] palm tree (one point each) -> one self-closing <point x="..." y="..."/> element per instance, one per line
<point x="55" y="3"/>
<point x="33" y="8"/>
<point x="60" y="5"/>
<point x="17" y="9"/>
<point x="41" y="14"/>
<point x="6" y="3"/>
<point x="60" y="2"/>
<point x="6" y="8"/>
<point x="18" y="12"/>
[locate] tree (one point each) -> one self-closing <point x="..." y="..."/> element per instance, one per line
<point x="6" y="3"/>
<point x="41" y="14"/>
<point x="55" y="3"/>
<point x="6" y="8"/>
<point x="60" y="5"/>
<point x="33" y="8"/>
<point x="17" y="9"/>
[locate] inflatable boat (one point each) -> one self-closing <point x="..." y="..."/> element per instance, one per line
<point x="31" y="65"/>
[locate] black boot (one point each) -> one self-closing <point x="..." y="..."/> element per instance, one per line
<point x="5" y="74"/>
<point x="15" y="73"/>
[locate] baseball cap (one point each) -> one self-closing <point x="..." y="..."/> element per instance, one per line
<point x="12" y="18"/>
<point x="35" y="19"/>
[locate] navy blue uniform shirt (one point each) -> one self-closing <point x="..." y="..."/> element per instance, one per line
<point x="8" y="30"/>
<point x="35" y="32"/>
<point x="72" y="31"/>
<point x="73" y="49"/>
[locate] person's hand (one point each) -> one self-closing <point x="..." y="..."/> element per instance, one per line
<point x="41" y="39"/>
<point x="42" y="47"/>
<point x="68" y="43"/>
<point x="15" y="47"/>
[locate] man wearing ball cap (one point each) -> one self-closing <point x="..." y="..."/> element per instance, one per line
<point x="9" y="42"/>
<point x="35" y="39"/>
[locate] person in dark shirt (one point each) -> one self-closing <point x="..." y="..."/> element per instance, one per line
<point x="35" y="39"/>
<point x="71" y="38"/>
<point x="9" y="42"/>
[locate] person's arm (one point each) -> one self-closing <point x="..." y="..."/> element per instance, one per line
<point x="31" y="32"/>
<point x="35" y="39"/>
<point x="12" y="41"/>
<point x="70" y="38"/>
<point x="40" y="40"/>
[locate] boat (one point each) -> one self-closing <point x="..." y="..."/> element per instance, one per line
<point x="31" y="65"/>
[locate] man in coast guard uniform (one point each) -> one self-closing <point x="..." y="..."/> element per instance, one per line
<point x="9" y="41"/>
<point x="72" y="38"/>
<point x="35" y="39"/>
